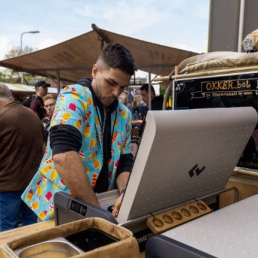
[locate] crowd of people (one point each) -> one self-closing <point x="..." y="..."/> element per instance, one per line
<point x="139" y="106"/>
<point x="77" y="142"/>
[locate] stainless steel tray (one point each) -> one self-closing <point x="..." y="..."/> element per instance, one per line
<point x="56" y="247"/>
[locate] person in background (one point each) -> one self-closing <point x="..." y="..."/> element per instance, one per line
<point x="135" y="110"/>
<point x="21" y="150"/>
<point x="88" y="150"/>
<point x="142" y="109"/>
<point x="49" y="105"/>
<point x="37" y="104"/>
<point x="136" y="118"/>
<point x="131" y="95"/>
<point x="156" y="101"/>
<point x="124" y="100"/>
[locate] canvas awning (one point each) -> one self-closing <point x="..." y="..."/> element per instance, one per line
<point x="73" y="59"/>
<point x="22" y="88"/>
<point x="21" y="91"/>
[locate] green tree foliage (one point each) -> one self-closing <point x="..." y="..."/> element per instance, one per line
<point x="162" y="90"/>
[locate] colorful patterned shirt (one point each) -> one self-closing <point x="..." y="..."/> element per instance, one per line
<point x="75" y="107"/>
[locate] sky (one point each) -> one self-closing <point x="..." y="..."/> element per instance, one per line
<point x="175" y="23"/>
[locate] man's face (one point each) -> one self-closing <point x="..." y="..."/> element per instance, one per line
<point x="123" y="99"/>
<point x="42" y="91"/>
<point x="49" y="105"/>
<point x="145" y="96"/>
<point x="109" y="84"/>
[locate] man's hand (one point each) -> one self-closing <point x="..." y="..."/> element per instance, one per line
<point x="117" y="205"/>
<point x="121" y="182"/>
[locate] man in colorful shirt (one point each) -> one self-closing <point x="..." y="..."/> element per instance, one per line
<point x="88" y="150"/>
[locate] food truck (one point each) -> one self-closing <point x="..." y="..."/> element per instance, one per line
<point x="218" y="88"/>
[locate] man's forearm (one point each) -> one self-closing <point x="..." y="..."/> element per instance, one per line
<point x="70" y="168"/>
<point x="122" y="180"/>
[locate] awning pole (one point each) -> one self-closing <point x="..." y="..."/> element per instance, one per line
<point x="58" y="81"/>
<point x="241" y="25"/>
<point x="149" y="88"/>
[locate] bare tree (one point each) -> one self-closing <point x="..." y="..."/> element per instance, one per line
<point x="8" y="75"/>
<point x="14" y="52"/>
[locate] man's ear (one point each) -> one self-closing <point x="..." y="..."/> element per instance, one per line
<point x="94" y="71"/>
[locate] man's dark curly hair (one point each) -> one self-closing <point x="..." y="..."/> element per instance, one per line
<point x="146" y="87"/>
<point x="117" y="56"/>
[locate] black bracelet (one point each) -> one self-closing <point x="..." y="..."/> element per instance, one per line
<point x="122" y="191"/>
